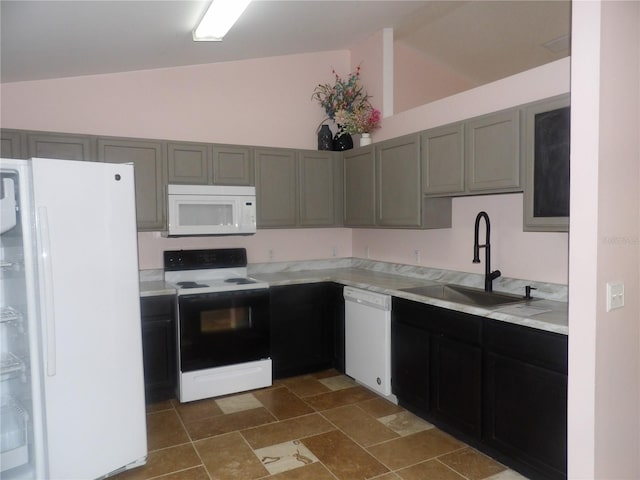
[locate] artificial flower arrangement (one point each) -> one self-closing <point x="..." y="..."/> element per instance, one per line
<point x="347" y="104"/>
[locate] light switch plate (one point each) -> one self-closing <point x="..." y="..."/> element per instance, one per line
<point x="615" y="295"/>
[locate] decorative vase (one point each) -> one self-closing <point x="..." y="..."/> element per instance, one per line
<point x="342" y="142"/>
<point x="365" y="139"/>
<point x="325" y="138"/>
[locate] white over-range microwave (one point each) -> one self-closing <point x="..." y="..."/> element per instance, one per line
<point x="211" y="210"/>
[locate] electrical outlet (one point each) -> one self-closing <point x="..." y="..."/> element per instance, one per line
<point x="615" y="296"/>
<point x="416" y="256"/>
<point x="366" y="252"/>
<point x="334" y="251"/>
<point x="271" y="255"/>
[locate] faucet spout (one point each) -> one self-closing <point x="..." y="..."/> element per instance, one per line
<point x="489" y="276"/>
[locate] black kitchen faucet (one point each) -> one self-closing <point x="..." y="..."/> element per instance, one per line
<point x="489" y="276"/>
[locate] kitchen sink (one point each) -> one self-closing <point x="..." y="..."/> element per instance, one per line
<point x="466" y="295"/>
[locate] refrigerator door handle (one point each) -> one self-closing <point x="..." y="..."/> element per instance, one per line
<point x="48" y="311"/>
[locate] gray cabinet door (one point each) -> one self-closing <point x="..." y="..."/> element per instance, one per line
<point x="149" y="160"/>
<point x="61" y="146"/>
<point x="189" y="163"/>
<point x="318" y="192"/>
<point x="276" y="187"/>
<point x="443" y="160"/>
<point x="398" y="180"/>
<point x="12" y="144"/>
<point x="359" y="187"/>
<point x="493" y="152"/>
<point x="546" y="136"/>
<point x="232" y="165"/>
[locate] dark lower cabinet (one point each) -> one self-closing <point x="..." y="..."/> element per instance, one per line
<point x="498" y="386"/>
<point x="159" y="347"/>
<point x="410" y="365"/>
<point x="526" y="397"/>
<point x="457" y="384"/>
<point x="303" y="328"/>
<point x="437" y="364"/>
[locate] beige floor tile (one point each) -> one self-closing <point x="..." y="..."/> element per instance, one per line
<point x="339" y="382"/>
<point x="285" y="456"/>
<point x="293" y="429"/>
<point x="359" y="425"/>
<point x="388" y="476"/>
<point x="332" y="372"/>
<point x="164" y="429"/>
<point x="222" y="424"/>
<point x="415" y="448"/>
<point x="507" y="475"/>
<point x="159" y="406"/>
<point x="238" y="403"/>
<point x="405" y="423"/>
<point x="339" y="398"/>
<point x="282" y="403"/>
<point x="429" y="470"/>
<point x="343" y="457"/>
<point x="315" y="471"/>
<point x="228" y="457"/>
<point x="472" y="464"/>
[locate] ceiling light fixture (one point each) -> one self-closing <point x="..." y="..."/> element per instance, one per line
<point x="218" y="20"/>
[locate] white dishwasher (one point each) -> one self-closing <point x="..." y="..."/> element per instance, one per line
<point x="368" y="339"/>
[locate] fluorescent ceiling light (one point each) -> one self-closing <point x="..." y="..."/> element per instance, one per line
<point x="219" y="19"/>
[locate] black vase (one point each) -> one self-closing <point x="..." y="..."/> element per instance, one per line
<point x="325" y="138"/>
<point x="342" y="142"/>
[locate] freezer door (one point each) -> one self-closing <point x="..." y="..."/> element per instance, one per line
<point x="89" y="298"/>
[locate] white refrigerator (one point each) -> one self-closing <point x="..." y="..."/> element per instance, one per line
<point x="71" y="378"/>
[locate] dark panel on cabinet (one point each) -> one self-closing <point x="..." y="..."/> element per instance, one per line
<point x="551" y="164"/>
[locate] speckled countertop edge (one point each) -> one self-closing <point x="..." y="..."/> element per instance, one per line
<point x="389" y="278"/>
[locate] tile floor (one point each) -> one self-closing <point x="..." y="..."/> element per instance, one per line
<point x="317" y="427"/>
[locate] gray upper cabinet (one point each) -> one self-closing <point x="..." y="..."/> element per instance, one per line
<point x="320" y="188"/>
<point x="149" y="160"/>
<point x="359" y="187"/>
<point x="443" y="160"/>
<point x="398" y="182"/>
<point x="12" y="144"/>
<point x="206" y="164"/>
<point x="189" y="163"/>
<point x="276" y="193"/>
<point x="232" y="165"/>
<point x="61" y="146"/>
<point x="546" y="137"/>
<point x="493" y="153"/>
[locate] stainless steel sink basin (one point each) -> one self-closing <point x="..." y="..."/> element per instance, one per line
<point x="465" y="295"/>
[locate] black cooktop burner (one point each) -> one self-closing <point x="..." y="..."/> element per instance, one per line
<point x="240" y="280"/>
<point x="191" y="285"/>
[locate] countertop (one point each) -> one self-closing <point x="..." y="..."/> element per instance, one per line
<point x="543" y="314"/>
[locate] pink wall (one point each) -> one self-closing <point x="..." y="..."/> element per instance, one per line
<point x="604" y="347"/>
<point x="533" y="256"/>
<point x="256" y="102"/>
<point x="419" y="80"/>
<point x="265" y="246"/>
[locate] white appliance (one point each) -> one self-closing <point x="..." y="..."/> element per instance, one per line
<point x="211" y="210"/>
<point x="223" y="323"/>
<point x="71" y="375"/>
<point x="368" y="339"/>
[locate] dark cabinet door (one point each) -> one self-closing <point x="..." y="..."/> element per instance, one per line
<point x="526" y="414"/>
<point x="410" y="365"/>
<point x="456" y="372"/>
<point x="336" y="304"/>
<point x="302" y="329"/>
<point x="159" y="347"/>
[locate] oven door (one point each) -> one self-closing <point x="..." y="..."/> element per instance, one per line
<point x="223" y="328"/>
